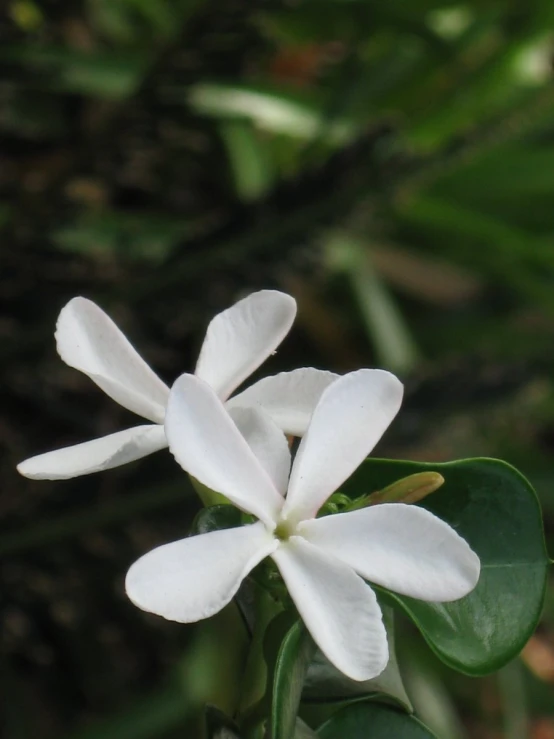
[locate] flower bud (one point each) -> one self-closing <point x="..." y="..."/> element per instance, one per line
<point x="409" y="489"/>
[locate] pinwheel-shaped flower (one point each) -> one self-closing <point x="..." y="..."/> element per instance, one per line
<point x="322" y="560"/>
<point x="237" y="342"/>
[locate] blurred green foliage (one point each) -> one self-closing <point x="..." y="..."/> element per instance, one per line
<point x="390" y="164"/>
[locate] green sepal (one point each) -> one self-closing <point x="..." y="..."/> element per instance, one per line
<point x="495" y="509"/>
<point x="216" y="517"/>
<point x="208" y="496"/>
<point x="219" y="725"/>
<point x="364" y="719"/>
<point x="303" y="731"/>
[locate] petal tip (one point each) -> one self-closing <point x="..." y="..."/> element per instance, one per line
<point x="23" y="469"/>
<point x="79" y="300"/>
<point x="77" y="303"/>
<point x="284" y="298"/>
<point x="33" y="471"/>
<point x="374" y="671"/>
<point x="377" y="662"/>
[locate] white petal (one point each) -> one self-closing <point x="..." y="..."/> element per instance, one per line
<point x="268" y="443"/>
<point x="402" y="547"/>
<point x="194" y="578"/>
<point x="350" y="418"/>
<point x="89" y="340"/>
<point x="95" y="456"/>
<point x="339" y="609"/>
<point x="242" y="337"/>
<point x="208" y="445"/>
<point x="289" y="397"/>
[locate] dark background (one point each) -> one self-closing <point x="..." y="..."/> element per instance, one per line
<point x="391" y="165"/>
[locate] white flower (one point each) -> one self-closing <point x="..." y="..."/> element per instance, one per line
<point x="237" y="342"/>
<point x="322" y="560"/>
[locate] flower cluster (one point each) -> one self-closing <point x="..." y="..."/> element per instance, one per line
<point x="238" y="447"/>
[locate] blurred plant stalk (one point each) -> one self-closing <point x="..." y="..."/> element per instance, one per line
<point x="394" y="345"/>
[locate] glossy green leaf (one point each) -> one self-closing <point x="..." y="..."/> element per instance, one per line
<point x="496" y="510"/>
<point x="293" y="659"/>
<point x="325" y="683"/>
<point x="372" y="721"/>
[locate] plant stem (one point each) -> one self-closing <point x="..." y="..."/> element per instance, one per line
<point x="383" y="320"/>
<point x="512" y="691"/>
<point x="251" y="710"/>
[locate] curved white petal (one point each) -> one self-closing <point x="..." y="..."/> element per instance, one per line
<point x="350" y="418"/>
<point x="268" y="443"/>
<point x="402" y="547"/>
<point x="89" y="340"/>
<point x="95" y="456"/>
<point x="289" y="397"/>
<point x="208" y="445"/>
<point x="339" y="609"/>
<point x="194" y="578"/>
<point x="242" y="337"/>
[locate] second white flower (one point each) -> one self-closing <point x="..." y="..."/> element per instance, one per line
<point x="323" y="561"/>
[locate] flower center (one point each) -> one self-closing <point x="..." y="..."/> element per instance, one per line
<point x="284" y="529"/>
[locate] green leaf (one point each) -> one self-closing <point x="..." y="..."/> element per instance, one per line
<point x="325" y="683"/>
<point x="113" y="76"/>
<point x="493" y="507"/>
<point x="149" y="237"/>
<point x="431" y="695"/>
<point x="513" y="171"/>
<point x="365" y="720"/>
<point x="295" y="654"/>
<point x="248" y="158"/>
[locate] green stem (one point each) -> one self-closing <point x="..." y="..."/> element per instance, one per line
<point x="382" y="318"/>
<point x="512" y="691"/>
<point x="252" y="706"/>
